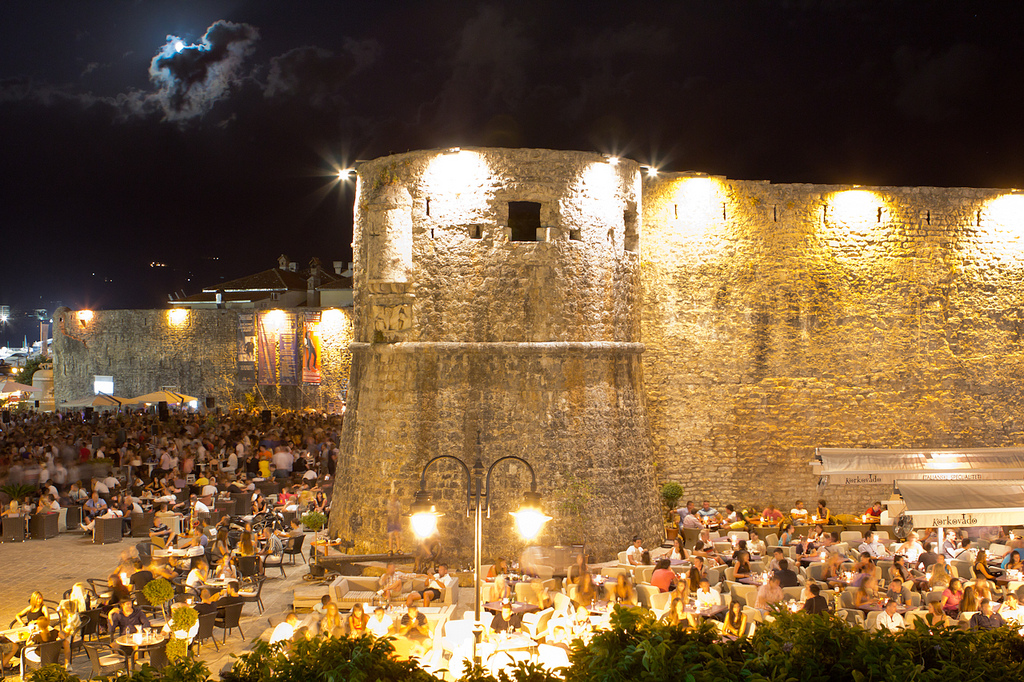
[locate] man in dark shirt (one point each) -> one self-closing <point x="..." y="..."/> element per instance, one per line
<point x="505" y="620"/>
<point x="928" y="557"/>
<point x="127" y="618"/>
<point x="787" y="577"/>
<point x="414" y="626"/>
<point x="986" y="618"/>
<point x="817" y="603"/>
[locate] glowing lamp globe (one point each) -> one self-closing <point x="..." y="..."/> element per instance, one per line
<point x="530" y="518"/>
<point x="423" y="515"/>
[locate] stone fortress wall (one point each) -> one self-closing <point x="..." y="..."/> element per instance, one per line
<point x="194" y="351"/>
<point x="497" y="297"/>
<point x="780" y="318"/>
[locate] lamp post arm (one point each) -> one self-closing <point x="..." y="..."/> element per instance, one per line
<point x="533" y="477"/>
<point x="469" y="478"/>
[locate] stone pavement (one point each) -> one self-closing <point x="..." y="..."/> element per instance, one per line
<point x="52" y="566"/>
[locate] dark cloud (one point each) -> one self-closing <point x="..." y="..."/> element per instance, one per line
<point x="192" y="78"/>
<point x="315" y="75"/>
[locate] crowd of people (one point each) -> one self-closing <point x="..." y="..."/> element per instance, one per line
<point x="118" y="464"/>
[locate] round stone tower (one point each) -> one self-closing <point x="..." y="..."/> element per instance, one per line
<point x="497" y="312"/>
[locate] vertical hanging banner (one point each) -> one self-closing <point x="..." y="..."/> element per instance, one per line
<point x="266" y="348"/>
<point x="288" y="350"/>
<point x="311" y="348"/>
<point x="246" y="364"/>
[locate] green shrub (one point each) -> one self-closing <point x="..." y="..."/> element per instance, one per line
<point x="158" y="591"/>
<point x="314" y="520"/>
<point x="52" y="673"/>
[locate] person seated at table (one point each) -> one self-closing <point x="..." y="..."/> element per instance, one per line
<point x="663" y="576"/>
<point x="622" y="592"/>
<point x="890" y="619"/>
<point x="1011" y="610"/>
<point x="40" y="634"/>
<point x="245" y="545"/>
<point x="787" y="576"/>
<point x="82" y="596"/>
<point x="741" y="565"/>
<point x="771" y="515"/>
<point x="863" y="568"/>
<point x="499" y="567"/>
<point x="1012" y="561"/>
<point x="691" y="520"/>
<point x="769" y="593"/>
<point x="895" y="593"/>
<point x="697" y="571"/>
<point x="586" y="590"/>
<point x="505" y="621"/>
<point x="390" y="582"/>
<point x="285" y="630"/>
<point x="982" y="588"/>
<point x="866" y="593"/>
<point x="34" y="611"/>
<point x="221" y="547"/>
<point x="777" y="555"/>
<point x="832" y="573"/>
<point x="198" y="575"/>
<point x="225" y="569"/>
<point x="934" y="614"/>
<point x="815" y="603"/>
<point x="47" y="505"/>
<point x="206" y="603"/>
<point x="899" y="570"/>
<point x="70" y="621"/>
<point x="677" y="553"/>
<point x="416" y="629"/>
<point x="927" y="558"/>
<point x="634" y="551"/>
<point x="986" y="618"/>
<point x="798" y="513"/>
<point x="911" y="549"/>
<point x="127" y="619"/>
<point x="871" y="545"/>
<point x="939" y="575"/>
<point x="501" y="588"/>
<point x="822" y="514"/>
<point x="983" y="570"/>
<point x="380" y="623"/>
<point x="971" y="599"/>
<point x="708" y="514"/>
<point x="756" y="545"/>
<point x="735" y="621"/>
<point x="434" y="586"/>
<point x="951" y="545"/>
<point x="787" y="534"/>
<point x="159" y="533"/>
<point x="577" y="569"/>
<point x="952" y="596"/>
<point x="678" y="616"/>
<point x="707" y="597"/>
<point x="874" y="512"/>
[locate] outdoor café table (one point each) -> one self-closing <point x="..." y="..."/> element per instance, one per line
<point x="710" y="612"/>
<point x="752" y="580"/>
<point x="517" y="607"/>
<point x="877" y="605"/>
<point x="131" y="644"/>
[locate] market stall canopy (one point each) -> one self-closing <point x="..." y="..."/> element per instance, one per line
<point x="871" y="466"/>
<point x="100" y="400"/>
<point x="14" y="387"/>
<point x="972" y="503"/>
<point x="169" y="397"/>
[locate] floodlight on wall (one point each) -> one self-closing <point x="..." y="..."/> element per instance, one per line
<point x="651" y="171"/>
<point x="84" y="317"/>
<point x="453" y="150"/>
<point x="177" y="316"/>
<point x="1007" y="210"/>
<point x="612" y="160"/>
<point x="855" y="206"/>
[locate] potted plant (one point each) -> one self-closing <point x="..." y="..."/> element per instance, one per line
<point x="183" y="619"/>
<point x="314" y="520"/>
<point x="158" y="592"/>
<point x="670" y="494"/>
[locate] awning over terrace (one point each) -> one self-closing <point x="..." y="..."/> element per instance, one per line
<point x="971" y="503"/>
<point x="861" y="466"/>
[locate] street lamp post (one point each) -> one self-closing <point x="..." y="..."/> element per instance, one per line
<point x="529" y="518"/>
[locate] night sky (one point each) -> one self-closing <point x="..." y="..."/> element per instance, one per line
<point x="122" y="147"/>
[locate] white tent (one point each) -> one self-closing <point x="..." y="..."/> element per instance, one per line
<point x="861" y="466"/>
<point x="972" y="503"/>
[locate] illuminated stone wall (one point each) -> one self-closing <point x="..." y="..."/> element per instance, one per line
<point x="145" y="350"/>
<point x="778" y="318"/>
<point x="532" y="345"/>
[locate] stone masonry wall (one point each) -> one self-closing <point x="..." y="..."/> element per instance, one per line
<point x="780" y="318"/>
<point x="143" y="350"/>
<point x="532" y="344"/>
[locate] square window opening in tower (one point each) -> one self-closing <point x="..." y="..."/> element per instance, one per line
<point x="524" y="221"/>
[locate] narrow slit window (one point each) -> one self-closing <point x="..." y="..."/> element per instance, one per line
<point x="428" y="206"/>
<point x="523" y="220"/>
<point x="576" y="235"/>
<point x="476" y="232"/>
<point x="631" y="240"/>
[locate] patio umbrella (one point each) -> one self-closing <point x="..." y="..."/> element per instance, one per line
<point x="168" y="397"/>
<point x="100" y="400"/>
<point x="13" y="387"/>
